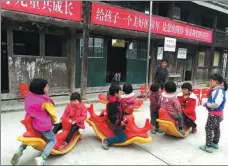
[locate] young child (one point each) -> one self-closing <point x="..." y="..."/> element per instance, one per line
<point x="128" y="98"/>
<point x="215" y="106"/>
<point x="115" y="117"/>
<point x="155" y="104"/>
<point x="170" y="102"/>
<point x="76" y="113"/>
<point x="188" y="102"/>
<point x="41" y="108"/>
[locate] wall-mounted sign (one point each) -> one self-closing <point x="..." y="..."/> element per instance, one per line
<point x="160" y="53"/>
<point x="182" y="53"/>
<point x="112" y="16"/>
<point x="69" y="10"/>
<point x="170" y="44"/>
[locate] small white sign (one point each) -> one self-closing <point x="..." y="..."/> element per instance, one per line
<point x="170" y="44"/>
<point x="182" y="53"/>
<point x="160" y="53"/>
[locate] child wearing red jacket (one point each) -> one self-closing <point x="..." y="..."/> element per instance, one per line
<point x="188" y="102"/>
<point x="76" y="113"/>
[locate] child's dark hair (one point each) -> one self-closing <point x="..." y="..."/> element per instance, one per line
<point x="127" y="88"/>
<point x="165" y="60"/>
<point x="113" y="89"/>
<point x="75" y="96"/>
<point x="170" y="87"/>
<point x="155" y="87"/>
<point x="187" y="85"/>
<point x="37" y="86"/>
<point x="219" y="78"/>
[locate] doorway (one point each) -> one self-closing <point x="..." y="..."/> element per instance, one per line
<point x="188" y="67"/>
<point x="4" y="63"/>
<point x="116" y="59"/>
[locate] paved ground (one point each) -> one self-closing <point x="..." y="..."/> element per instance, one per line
<point x="164" y="150"/>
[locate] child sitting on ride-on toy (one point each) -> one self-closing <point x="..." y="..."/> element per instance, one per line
<point x="76" y="113"/>
<point x="128" y="98"/>
<point x="170" y="103"/>
<point x="41" y="108"/>
<point x="188" y="102"/>
<point x="115" y="116"/>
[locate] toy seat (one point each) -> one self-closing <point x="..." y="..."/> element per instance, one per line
<point x="205" y="94"/>
<point x="102" y="98"/>
<point x="138" y="104"/>
<point x="33" y="138"/>
<point x="23" y="90"/>
<point x="133" y="133"/>
<point x="142" y="90"/>
<point x="197" y="92"/>
<point x="169" y="125"/>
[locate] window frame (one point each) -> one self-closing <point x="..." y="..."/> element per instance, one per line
<point x="93" y="46"/>
<point x="24" y="55"/>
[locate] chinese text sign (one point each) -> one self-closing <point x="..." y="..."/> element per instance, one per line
<point x="170" y="44"/>
<point x="69" y="10"/>
<point x="103" y="14"/>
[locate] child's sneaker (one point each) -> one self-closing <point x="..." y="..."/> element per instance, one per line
<point x="105" y="144"/>
<point x="40" y="160"/>
<point x="153" y="131"/>
<point x="206" y="149"/>
<point x="158" y="130"/>
<point x="194" y="130"/>
<point x="215" y="146"/>
<point x="182" y="132"/>
<point x="16" y="158"/>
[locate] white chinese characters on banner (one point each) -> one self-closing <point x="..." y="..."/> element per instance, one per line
<point x="52" y="6"/>
<point x="160" y="53"/>
<point x="170" y="44"/>
<point x="106" y="15"/>
<point x="182" y="53"/>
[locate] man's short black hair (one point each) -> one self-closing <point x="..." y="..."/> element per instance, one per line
<point x="37" y="86"/>
<point x="127" y="88"/>
<point x="75" y="96"/>
<point x="165" y="60"/>
<point x="170" y="87"/>
<point x="113" y="89"/>
<point x="187" y="85"/>
<point x="155" y="87"/>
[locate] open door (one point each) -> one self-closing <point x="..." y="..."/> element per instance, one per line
<point x="4" y="63"/>
<point x="188" y="67"/>
<point x="116" y="60"/>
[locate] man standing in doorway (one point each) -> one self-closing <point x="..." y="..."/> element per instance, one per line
<point x="162" y="73"/>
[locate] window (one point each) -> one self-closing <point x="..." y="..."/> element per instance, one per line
<point x="216" y="58"/>
<point x="26" y="43"/>
<point x="95" y="47"/>
<point x="55" y="46"/>
<point x="201" y="59"/>
<point x="133" y="45"/>
<point x="142" y="50"/>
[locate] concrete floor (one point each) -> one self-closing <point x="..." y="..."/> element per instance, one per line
<point x="164" y="150"/>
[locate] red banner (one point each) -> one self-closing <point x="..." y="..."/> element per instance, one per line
<point x="69" y="10"/>
<point x="103" y="14"/>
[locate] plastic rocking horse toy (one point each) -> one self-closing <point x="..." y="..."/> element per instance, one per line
<point x="102" y="99"/>
<point x="169" y="125"/>
<point x="133" y="133"/>
<point x="33" y="138"/>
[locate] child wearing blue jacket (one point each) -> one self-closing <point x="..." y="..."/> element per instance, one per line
<point x="215" y="106"/>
